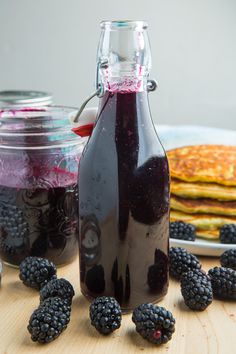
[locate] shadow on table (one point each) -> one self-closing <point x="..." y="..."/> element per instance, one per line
<point x="139" y="342"/>
<point x="17" y="287"/>
<point x="80" y="321"/>
<point x="183" y="307"/>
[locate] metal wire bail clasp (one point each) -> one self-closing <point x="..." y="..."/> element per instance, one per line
<point x="151" y="86"/>
<point x="99" y="89"/>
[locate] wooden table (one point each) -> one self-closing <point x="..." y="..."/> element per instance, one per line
<point x="211" y="331"/>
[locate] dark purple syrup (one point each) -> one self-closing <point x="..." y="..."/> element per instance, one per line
<point x="39" y="222"/>
<point x="124" y="204"/>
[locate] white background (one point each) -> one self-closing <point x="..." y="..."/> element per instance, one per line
<point x="51" y="45"/>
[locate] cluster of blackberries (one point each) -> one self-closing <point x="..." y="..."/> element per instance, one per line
<point x="155" y="323"/>
<point x="47" y="322"/>
<point x="195" y="284"/>
<point x="184" y="231"/>
<point x="53" y="314"/>
<point x="152" y="322"/>
<point x="197" y="287"/>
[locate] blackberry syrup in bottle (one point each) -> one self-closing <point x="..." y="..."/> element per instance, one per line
<point x="124" y="179"/>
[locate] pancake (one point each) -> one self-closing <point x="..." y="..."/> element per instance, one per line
<point x="202" y="190"/>
<point x="204" y="163"/>
<point x="212" y="235"/>
<point x="207" y="206"/>
<point x="202" y="221"/>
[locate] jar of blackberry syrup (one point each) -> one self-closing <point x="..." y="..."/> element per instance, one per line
<point x="39" y="157"/>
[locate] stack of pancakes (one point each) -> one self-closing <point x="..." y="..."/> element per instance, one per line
<point x="203" y="187"/>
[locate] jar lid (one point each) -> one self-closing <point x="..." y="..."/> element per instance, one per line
<point x="42" y="127"/>
<point x="25" y="98"/>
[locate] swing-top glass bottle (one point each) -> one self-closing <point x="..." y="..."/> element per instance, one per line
<point x="124" y="178"/>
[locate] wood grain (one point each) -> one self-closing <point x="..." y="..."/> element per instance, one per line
<point x="212" y="331"/>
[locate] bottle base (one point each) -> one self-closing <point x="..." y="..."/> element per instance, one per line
<point x="125" y="310"/>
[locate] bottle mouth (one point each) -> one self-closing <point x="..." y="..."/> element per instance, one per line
<point x="124" y="25"/>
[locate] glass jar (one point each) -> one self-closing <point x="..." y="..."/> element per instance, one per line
<point x="39" y="157"/>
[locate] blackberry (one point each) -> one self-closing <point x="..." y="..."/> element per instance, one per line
<point x="223" y="281"/>
<point x="182" y="231"/>
<point x="49" y="320"/>
<point x="228" y="233"/>
<point x="181" y="262"/>
<point x="196" y="290"/>
<point x="58" y="287"/>
<point x="105" y="314"/>
<point x="228" y="259"/>
<point x="35" y="272"/>
<point x="157" y="276"/>
<point x="14" y="231"/>
<point x="95" y="279"/>
<point x="39" y="247"/>
<point x="144" y="196"/>
<point x="154" y="323"/>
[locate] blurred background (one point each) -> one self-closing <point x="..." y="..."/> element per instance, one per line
<point x="50" y="45"/>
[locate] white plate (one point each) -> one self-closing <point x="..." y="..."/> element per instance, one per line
<point x="202" y="247"/>
<point x="178" y="136"/>
<point x="183" y="135"/>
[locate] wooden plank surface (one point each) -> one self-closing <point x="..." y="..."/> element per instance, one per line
<point x="211" y="331"/>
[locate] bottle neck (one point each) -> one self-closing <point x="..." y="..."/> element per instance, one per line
<point x="126" y="84"/>
<point x="124" y="81"/>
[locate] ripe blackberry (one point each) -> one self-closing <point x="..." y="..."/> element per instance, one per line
<point x="157" y="276"/>
<point x="14" y="231"/>
<point x="49" y="320"/>
<point x="95" y="279"/>
<point x="223" y="281"/>
<point x="228" y="233"/>
<point x="39" y="246"/>
<point x="35" y="272"/>
<point x="228" y="259"/>
<point x="144" y="196"/>
<point x="154" y="323"/>
<point x="105" y="314"/>
<point x="181" y="262"/>
<point x="196" y="290"/>
<point x="182" y="231"/>
<point x="58" y="287"/>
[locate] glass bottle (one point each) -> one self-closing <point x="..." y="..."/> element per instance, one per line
<point x="124" y="179"/>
